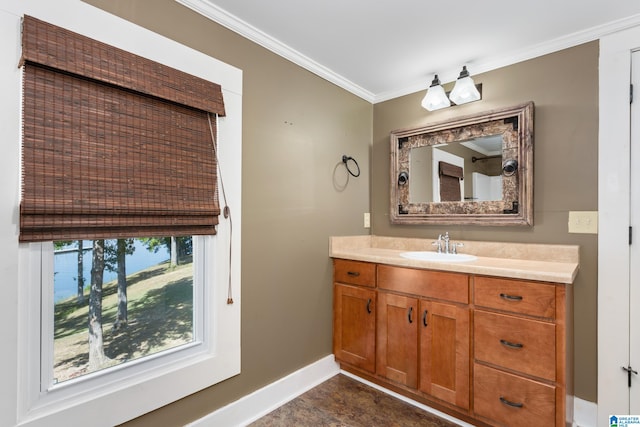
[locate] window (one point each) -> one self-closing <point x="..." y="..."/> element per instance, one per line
<point x="146" y="304"/>
<point x="162" y="314"/>
<point x="173" y="325"/>
<point x="141" y="384"/>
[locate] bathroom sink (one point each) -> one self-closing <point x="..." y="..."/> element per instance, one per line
<point x="440" y="257"/>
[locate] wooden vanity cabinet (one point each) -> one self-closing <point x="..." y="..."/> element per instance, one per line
<point x="423" y="331"/>
<point x="520" y="352"/>
<point x="492" y="351"/>
<point x="354" y="314"/>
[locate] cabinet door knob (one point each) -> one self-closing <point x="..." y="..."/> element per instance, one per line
<point x="369" y="306"/>
<point x="510" y="403"/>
<point x="424" y="318"/>
<point x="409" y="315"/>
<point x="511" y="297"/>
<point x="511" y="344"/>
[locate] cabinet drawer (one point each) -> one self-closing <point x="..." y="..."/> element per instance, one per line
<point x="512" y="400"/>
<point x="523" y="345"/>
<point x="425" y="283"/>
<point x="530" y="298"/>
<point x="354" y="272"/>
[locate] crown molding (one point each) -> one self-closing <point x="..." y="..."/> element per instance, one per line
<point x="510" y="58"/>
<point x="246" y="30"/>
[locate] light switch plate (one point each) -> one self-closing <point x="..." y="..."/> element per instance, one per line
<point x="367" y="220"/>
<point x="583" y="222"/>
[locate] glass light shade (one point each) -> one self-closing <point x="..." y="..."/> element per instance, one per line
<point x="464" y="91"/>
<point x="435" y="99"/>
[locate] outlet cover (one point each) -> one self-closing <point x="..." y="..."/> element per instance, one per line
<point x="583" y="222"/>
<point x="367" y="220"/>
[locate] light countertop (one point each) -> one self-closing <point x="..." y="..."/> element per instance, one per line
<point x="548" y="263"/>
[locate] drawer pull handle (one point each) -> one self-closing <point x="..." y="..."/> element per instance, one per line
<point x="409" y="315"/>
<point x="424" y="318"/>
<point x="353" y="273"/>
<point x="369" y="306"/>
<point x="511" y="297"/>
<point x="510" y="403"/>
<point x="511" y="344"/>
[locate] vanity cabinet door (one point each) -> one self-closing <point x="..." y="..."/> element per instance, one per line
<point x="354" y="326"/>
<point x="397" y="351"/>
<point x="444" y="352"/>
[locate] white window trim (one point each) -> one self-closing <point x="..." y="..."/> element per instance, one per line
<point x="148" y="390"/>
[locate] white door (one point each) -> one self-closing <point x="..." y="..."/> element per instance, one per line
<point x="634" y="270"/>
<point x="618" y="207"/>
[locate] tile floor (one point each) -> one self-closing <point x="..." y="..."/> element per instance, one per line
<point x="344" y="402"/>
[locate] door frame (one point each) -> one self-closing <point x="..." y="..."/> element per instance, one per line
<point x="634" y="250"/>
<point x="614" y="174"/>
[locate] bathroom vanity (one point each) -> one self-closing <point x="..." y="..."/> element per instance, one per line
<point x="487" y="340"/>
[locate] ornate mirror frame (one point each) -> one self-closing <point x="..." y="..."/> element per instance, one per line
<point x="514" y="124"/>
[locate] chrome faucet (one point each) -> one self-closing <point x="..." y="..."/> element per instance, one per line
<point x="445" y="245"/>
<point x="446" y="242"/>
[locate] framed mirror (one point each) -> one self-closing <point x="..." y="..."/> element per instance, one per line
<point x="475" y="169"/>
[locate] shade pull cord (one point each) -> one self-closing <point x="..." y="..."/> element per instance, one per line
<point x="226" y="212"/>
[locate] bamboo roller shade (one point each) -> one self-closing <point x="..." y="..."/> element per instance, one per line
<point x="110" y="159"/>
<point x="64" y="50"/>
<point x="450" y="176"/>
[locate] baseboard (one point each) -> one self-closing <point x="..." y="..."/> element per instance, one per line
<point x="585" y="413"/>
<point x="259" y="403"/>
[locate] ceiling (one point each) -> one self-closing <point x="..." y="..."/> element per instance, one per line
<point x="379" y="50"/>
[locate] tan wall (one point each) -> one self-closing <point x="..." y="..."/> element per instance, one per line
<point x="564" y="87"/>
<point x="296" y="127"/>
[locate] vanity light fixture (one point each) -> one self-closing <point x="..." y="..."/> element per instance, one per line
<point x="436" y="98"/>
<point x="464" y="91"/>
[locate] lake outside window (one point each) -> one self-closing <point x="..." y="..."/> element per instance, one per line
<point x="119" y="300"/>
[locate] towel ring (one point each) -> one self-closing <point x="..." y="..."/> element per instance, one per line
<point x="345" y="159"/>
